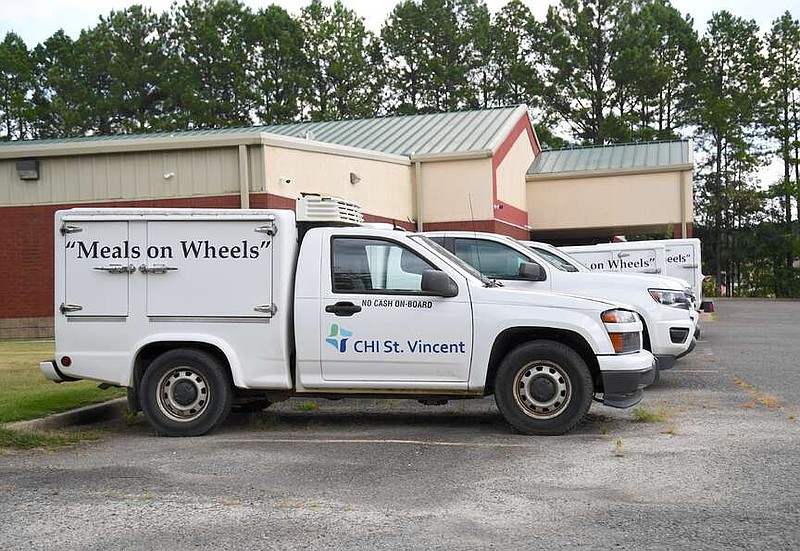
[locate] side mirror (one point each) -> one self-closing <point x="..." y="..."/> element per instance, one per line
<point x="438" y="283"/>
<point x="531" y="271"/>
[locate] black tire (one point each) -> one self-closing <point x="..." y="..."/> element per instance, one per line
<point x="186" y="392"/>
<point x="543" y="387"/>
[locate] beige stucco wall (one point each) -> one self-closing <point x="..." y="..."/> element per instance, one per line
<point x="449" y="186"/>
<point x="610" y="201"/>
<point x="120" y="176"/>
<point x="385" y="189"/>
<point x="511" y="187"/>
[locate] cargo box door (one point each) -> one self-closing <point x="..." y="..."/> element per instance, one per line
<point x="597" y="261"/>
<point x="97" y="268"/>
<point x="209" y="268"/>
<point x="644" y="260"/>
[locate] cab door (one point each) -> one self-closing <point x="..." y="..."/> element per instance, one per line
<point x="379" y="329"/>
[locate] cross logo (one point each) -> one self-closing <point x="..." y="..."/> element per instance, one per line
<point x="338" y="337"/>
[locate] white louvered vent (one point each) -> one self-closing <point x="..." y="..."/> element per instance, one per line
<point x="324" y="208"/>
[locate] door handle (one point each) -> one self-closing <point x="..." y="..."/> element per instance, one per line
<point x="343" y="309"/>
<point x="116" y="269"/>
<point x="156" y="269"/>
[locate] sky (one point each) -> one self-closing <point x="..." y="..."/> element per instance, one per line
<point x="36" y="20"/>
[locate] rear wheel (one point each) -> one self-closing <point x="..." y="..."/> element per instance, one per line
<point x="543" y="387"/>
<point x="186" y="392"/>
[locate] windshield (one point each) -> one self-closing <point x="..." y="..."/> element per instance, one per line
<point x="562" y="261"/>
<point x="453" y="259"/>
<point x="555" y="261"/>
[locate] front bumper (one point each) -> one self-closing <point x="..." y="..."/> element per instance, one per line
<point x="671" y="337"/>
<point x="625" y="376"/>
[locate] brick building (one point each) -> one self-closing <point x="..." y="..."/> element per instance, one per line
<point x="463" y="170"/>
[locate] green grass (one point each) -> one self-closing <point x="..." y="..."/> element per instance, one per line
<point x="644" y="415"/>
<point x="27" y="440"/>
<point x="305" y="406"/>
<point x="26" y="394"/>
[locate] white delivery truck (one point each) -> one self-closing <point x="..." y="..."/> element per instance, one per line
<point x="661" y="302"/>
<point x="194" y="310"/>
<point x="678" y="258"/>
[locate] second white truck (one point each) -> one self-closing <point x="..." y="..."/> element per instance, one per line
<point x="194" y="310"/>
<point x="669" y="320"/>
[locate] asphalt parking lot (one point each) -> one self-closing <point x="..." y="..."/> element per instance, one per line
<point x="720" y="470"/>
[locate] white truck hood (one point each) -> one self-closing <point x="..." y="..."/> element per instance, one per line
<point x="647" y="281"/>
<point x="546" y="299"/>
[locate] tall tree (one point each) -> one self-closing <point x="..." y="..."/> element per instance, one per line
<point x="783" y="93"/>
<point x="16" y="81"/>
<point x="211" y="75"/>
<point x="134" y="41"/>
<point x="57" y="88"/>
<point x="581" y="41"/>
<point x="431" y="52"/>
<point x="511" y="69"/>
<point x="658" y="49"/>
<point x="72" y="93"/>
<point x="727" y="92"/>
<point x="280" y="65"/>
<point x="341" y="82"/>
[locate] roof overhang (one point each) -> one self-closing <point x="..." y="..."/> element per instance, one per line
<point x="172" y="142"/>
<point x="459" y="156"/>
<point x="606" y="172"/>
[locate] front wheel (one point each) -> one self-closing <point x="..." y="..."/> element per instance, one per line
<point x="543" y="387"/>
<point x="186" y="392"/>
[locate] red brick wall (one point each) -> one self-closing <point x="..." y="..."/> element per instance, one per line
<point x="491" y="226"/>
<point x="26" y="246"/>
<point x="676" y="231"/>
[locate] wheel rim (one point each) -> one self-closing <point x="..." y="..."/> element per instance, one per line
<point x="542" y="389"/>
<point x="182" y="394"/>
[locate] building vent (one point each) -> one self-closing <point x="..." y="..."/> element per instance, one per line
<point x="323" y="208"/>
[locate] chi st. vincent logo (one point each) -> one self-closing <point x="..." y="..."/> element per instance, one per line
<point x="338" y="337"/>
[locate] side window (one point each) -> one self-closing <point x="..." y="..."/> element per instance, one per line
<point x="490" y="258"/>
<point x="364" y="265"/>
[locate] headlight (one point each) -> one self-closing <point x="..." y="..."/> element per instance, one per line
<point x="619" y="316"/>
<point x="623" y="338"/>
<point x="667" y="297"/>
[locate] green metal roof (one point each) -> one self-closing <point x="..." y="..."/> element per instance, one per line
<point x="643" y="156"/>
<point x="434" y="133"/>
<point x="428" y="134"/>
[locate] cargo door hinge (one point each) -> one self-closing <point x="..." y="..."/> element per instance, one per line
<point x="269" y="228"/>
<point x="66" y="308"/>
<point x="67" y="228"/>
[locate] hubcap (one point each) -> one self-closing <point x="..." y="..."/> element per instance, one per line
<point x="542" y="389"/>
<point x="183" y="394"/>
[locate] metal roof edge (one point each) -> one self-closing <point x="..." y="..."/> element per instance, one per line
<point x="457" y="156"/>
<point x="504" y="131"/>
<point x="302" y="144"/>
<point x="606" y="172"/>
<point x="125" y="145"/>
<point x="177" y="141"/>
